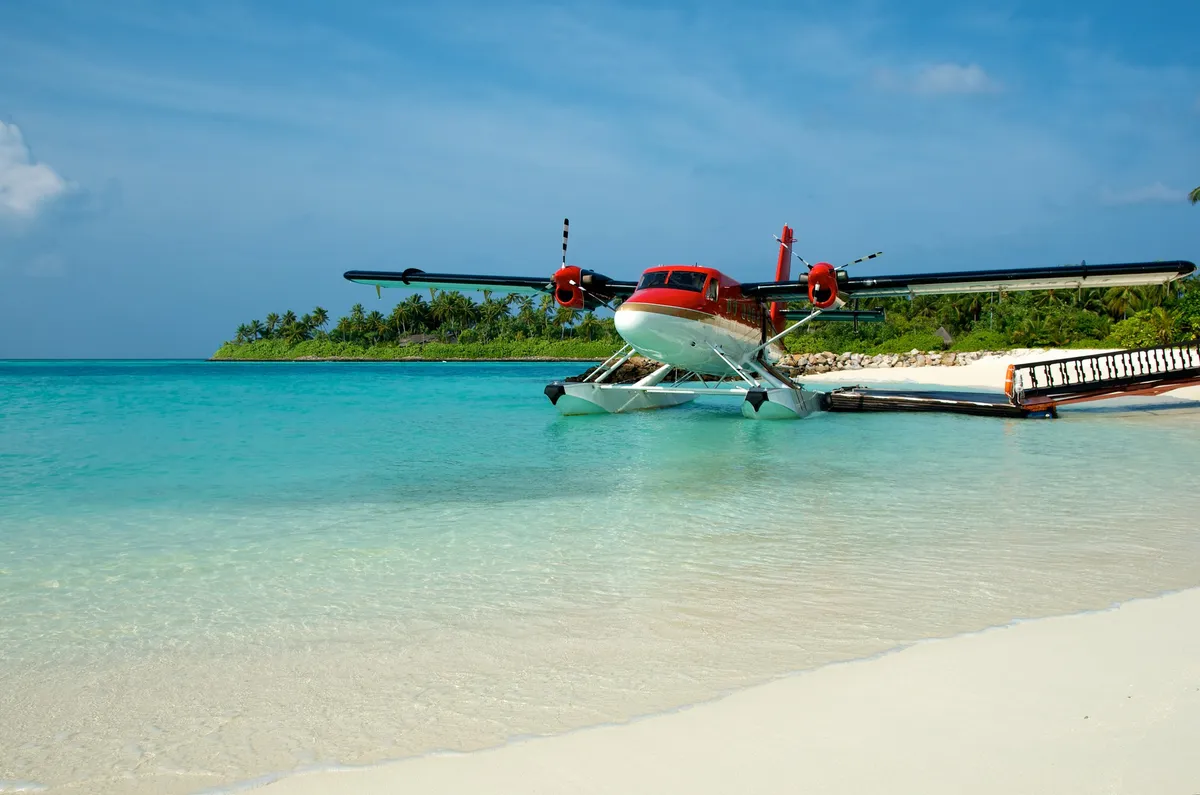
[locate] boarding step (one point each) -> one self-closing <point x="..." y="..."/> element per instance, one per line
<point x="1143" y="371"/>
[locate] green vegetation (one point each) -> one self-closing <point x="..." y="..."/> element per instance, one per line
<point x="276" y="349"/>
<point x="452" y="326"/>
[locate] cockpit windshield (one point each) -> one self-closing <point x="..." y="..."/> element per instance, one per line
<point x="692" y="281"/>
<point x="687" y="280"/>
<point x="653" y="279"/>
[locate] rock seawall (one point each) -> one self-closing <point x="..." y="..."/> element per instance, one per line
<point x="801" y="363"/>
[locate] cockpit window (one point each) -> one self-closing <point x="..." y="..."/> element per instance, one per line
<point x="691" y="281"/>
<point x="653" y="279"/>
<point x="687" y="280"/>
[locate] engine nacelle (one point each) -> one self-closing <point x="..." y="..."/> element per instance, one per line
<point x="568" y="290"/>
<point x="580" y="289"/>
<point x="822" y="285"/>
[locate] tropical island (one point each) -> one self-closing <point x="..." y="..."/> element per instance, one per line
<point x="453" y="326"/>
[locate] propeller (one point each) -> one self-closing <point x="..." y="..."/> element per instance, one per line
<point x="863" y="259"/>
<point x="578" y="284"/>
<point x="847" y="265"/>
<point x="779" y="240"/>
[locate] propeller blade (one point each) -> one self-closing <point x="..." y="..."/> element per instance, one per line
<point x="566" y="226"/>
<point x="863" y="259"/>
<point x="794" y="254"/>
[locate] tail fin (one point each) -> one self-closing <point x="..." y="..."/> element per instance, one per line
<point x="783" y="269"/>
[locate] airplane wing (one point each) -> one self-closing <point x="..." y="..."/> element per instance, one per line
<point x="983" y="281"/>
<point x="416" y="278"/>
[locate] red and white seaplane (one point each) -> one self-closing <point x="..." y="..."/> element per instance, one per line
<point x="697" y="321"/>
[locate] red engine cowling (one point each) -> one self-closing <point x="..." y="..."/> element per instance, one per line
<point x="567" y="292"/>
<point x="822" y="285"/>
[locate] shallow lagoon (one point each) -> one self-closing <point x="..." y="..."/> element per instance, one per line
<point x="210" y="572"/>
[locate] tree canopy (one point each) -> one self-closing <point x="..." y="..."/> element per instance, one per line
<point x="1117" y="317"/>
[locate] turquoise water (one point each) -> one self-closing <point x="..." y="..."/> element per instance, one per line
<point x="213" y="572"/>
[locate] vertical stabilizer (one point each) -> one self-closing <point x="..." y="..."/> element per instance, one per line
<point x="783" y="269"/>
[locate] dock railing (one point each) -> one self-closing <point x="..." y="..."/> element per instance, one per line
<point x="1097" y="375"/>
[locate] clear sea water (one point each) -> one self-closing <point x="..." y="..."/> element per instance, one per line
<point x="211" y="572"/>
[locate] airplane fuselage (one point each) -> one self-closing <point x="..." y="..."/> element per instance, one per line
<point x="694" y="318"/>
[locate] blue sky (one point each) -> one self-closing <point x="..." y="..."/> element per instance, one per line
<point x="169" y="170"/>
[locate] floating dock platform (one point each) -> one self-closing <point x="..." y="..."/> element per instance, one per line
<point x="987" y="404"/>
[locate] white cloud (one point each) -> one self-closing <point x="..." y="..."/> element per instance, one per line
<point x="942" y="78"/>
<point x="24" y="184"/>
<point x="1146" y="194"/>
<point x="949" y="78"/>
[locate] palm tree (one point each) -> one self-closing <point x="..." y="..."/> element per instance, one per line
<point x="272" y="323"/>
<point x="399" y="319"/>
<point x="1194" y="196"/>
<point x="357" y="321"/>
<point x="588" y="326"/>
<point x="465" y="309"/>
<point x="344" y="329"/>
<point x="243" y="333"/>
<point x="563" y="318"/>
<point x="1163" y="324"/>
<point x="257" y="329"/>
<point x="376" y="324"/>
<point x="320" y="317"/>
<point x="1119" y="301"/>
<point x="491" y="310"/>
<point x="416" y="311"/>
<point x="295" y="333"/>
<point x="442" y="309"/>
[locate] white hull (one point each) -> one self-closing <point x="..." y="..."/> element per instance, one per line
<point x="783" y="403"/>
<point x="689" y="340"/>
<point x="579" y="398"/>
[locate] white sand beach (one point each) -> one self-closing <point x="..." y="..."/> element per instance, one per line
<point x="987" y="372"/>
<point x="1099" y="702"/>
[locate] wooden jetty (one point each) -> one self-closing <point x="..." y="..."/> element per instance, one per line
<point x="987" y="404"/>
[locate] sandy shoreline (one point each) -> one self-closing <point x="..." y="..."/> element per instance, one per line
<point x="1097" y="702"/>
<point x="986" y="373"/>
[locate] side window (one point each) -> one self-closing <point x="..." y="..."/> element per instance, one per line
<point x="711" y="292"/>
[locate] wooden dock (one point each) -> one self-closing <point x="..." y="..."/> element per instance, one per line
<point x="987" y="404"/>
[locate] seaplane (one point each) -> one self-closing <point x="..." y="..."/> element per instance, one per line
<point x="715" y="336"/>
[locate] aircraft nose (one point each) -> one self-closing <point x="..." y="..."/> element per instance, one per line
<point x="631" y="324"/>
<point x="641" y="329"/>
